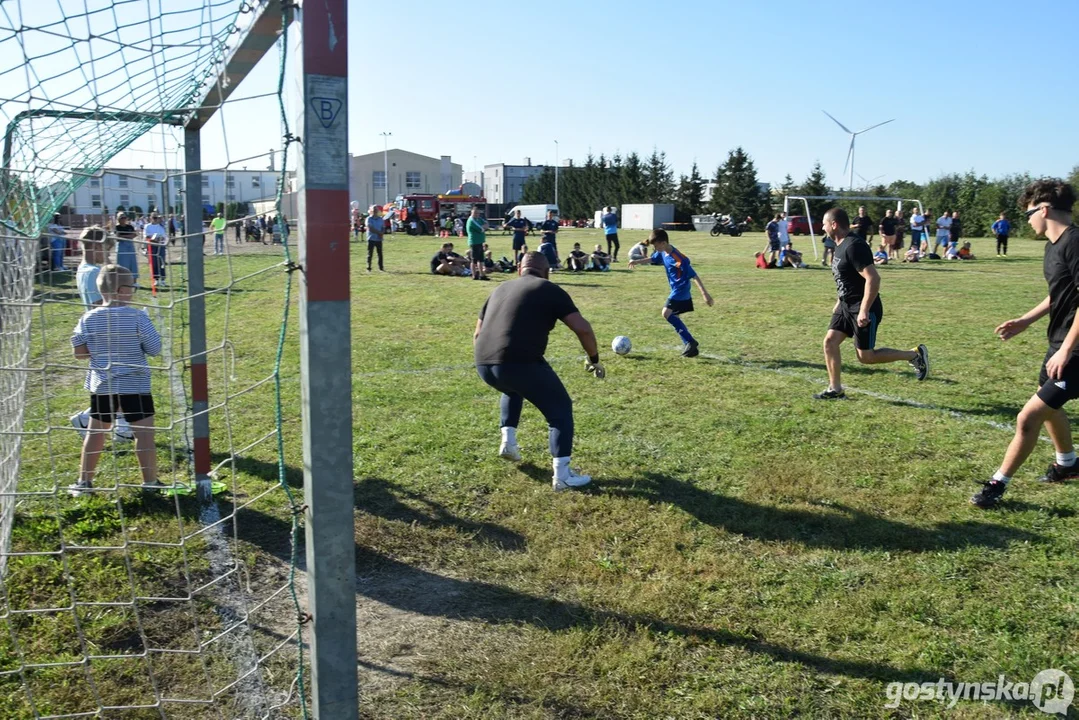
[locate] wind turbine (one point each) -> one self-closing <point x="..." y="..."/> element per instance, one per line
<point x="850" y="152"/>
<point x="868" y="182"/>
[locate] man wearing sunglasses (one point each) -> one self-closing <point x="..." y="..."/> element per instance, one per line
<point x="1049" y="211"/>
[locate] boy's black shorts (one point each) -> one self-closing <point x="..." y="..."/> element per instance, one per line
<point x="1055" y="393"/>
<point x="104" y="408"/>
<point x="680" y="306"/>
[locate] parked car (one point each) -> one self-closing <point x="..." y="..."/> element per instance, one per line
<point x="799" y="225"/>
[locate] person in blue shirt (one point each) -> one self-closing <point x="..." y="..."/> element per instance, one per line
<point x="610" y="229"/>
<point x="376" y="228"/>
<point x="519" y="226"/>
<point x="679" y="275"/>
<point x="550" y="231"/>
<point x="1001" y="228"/>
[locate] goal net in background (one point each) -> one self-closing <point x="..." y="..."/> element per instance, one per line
<point x="123" y="602"/>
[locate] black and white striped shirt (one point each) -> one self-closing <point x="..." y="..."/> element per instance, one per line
<point x="119" y="338"/>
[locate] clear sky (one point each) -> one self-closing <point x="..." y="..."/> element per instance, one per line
<point x="983" y="85"/>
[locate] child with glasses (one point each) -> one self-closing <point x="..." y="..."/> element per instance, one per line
<point x="116" y="338"/>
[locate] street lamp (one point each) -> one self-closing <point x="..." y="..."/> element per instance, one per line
<point x="556" y="174"/>
<point x="386" y="164"/>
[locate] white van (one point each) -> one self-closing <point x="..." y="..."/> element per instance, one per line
<point x="535" y="214"/>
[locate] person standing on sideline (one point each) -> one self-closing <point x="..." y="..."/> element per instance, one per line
<point x="116" y="339"/>
<point x="1002" y="228"/>
<point x="126" y="257"/>
<point x="218" y="226"/>
<point x="783" y="229"/>
<point x="863" y="225"/>
<point x="679" y="274"/>
<point x="858" y="308"/>
<point x="944" y="231"/>
<point x="519" y="226"/>
<point x="156" y="243"/>
<point x="955" y="231"/>
<point x="376" y="229"/>
<point x="610" y="230"/>
<point x="550" y="232"/>
<point x="917" y="230"/>
<point x="772" y="231"/>
<point x="172" y="229"/>
<point x="887" y="233"/>
<point x="900" y="228"/>
<point x="1048" y="206"/>
<point x="236" y="230"/>
<point x="476" y="227"/>
<point x="508" y="345"/>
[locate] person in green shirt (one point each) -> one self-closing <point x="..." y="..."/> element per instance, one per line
<point x="476" y="227"/>
<point x="218" y="226"/>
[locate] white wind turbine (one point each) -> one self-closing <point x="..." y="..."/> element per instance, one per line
<point x="850" y="152"/>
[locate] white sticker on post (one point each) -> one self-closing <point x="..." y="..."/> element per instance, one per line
<point x="325" y="140"/>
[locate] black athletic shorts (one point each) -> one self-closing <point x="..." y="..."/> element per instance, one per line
<point x="518" y="241"/>
<point x="1055" y="393"/>
<point x="475" y="253"/>
<point x="845" y="320"/>
<point x="133" y="407"/>
<point x="679" y="306"/>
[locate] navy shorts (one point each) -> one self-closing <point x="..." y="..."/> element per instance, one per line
<point x="1055" y="393"/>
<point x="518" y="241"/>
<point x="773" y="245"/>
<point x="845" y="320"/>
<point x="679" y="306"/>
<point x="104" y="408"/>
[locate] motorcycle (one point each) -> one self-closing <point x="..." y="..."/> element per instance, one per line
<point x="726" y="226"/>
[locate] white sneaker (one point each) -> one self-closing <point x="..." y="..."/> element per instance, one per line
<point x="81" y="422"/>
<point x="571" y="480"/>
<point x="122" y="431"/>
<point x="78" y="489"/>
<point x="510" y="452"/>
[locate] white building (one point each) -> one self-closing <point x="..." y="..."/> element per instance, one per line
<point x="503" y="184"/>
<point x="408" y="173"/>
<point x="710" y="188"/>
<point x="147" y="188"/>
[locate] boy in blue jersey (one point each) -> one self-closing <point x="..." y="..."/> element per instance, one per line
<point x="1002" y="228"/>
<point x="679" y="274"/>
<point x="610" y="230"/>
<point x="519" y="226"/>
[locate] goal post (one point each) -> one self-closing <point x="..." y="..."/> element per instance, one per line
<point x="804" y="200"/>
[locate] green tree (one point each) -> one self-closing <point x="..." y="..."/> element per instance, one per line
<point x="815" y="184"/>
<point x="631" y="179"/>
<point x="689" y="197"/>
<point x="657" y="178"/>
<point x="737" y="190"/>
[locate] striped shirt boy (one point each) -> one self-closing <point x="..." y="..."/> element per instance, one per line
<point x="119" y="339"/>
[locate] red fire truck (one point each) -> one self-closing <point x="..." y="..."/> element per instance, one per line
<point x="429" y="212"/>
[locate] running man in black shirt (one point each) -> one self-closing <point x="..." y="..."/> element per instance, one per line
<point x="1049" y="210"/>
<point x="510" y="339"/>
<point x="858" y="310"/>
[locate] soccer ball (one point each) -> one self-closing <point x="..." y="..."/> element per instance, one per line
<point x="621" y="345"/>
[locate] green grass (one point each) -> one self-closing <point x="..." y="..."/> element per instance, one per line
<point x="743" y="551"/>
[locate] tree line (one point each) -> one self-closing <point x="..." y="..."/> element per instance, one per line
<point x="620" y="180"/>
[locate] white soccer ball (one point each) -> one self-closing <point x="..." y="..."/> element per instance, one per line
<point x="621" y="345"/>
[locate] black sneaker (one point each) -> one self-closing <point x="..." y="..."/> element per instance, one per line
<point x="921" y="362"/>
<point x="830" y="394"/>
<point x="990" y="494"/>
<point x="690" y="349"/>
<point x="1059" y="473"/>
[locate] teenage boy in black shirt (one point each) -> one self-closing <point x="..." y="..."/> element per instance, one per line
<point x="1049" y="211"/>
<point x="858" y="310"/>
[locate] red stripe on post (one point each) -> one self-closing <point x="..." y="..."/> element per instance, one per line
<point x="327" y="261"/>
<point x="325" y="42"/>
<point x="199" y="383"/>
<point x="201" y="447"/>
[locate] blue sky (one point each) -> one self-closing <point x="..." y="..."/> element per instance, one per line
<point x="971" y="85"/>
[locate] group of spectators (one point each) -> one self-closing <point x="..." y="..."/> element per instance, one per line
<point x="947" y="239"/>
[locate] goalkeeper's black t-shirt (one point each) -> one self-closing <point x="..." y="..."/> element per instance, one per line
<point x="517" y="318"/>
<point x="887" y="226"/>
<point x="1061" y="268"/>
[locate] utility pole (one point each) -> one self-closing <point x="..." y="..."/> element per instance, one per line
<point x="386" y="164"/>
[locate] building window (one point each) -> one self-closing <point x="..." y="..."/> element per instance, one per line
<point x="95" y="182"/>
<point x="256" y="182"/>
<point x="378" y="178"/>
<point x="230" y="182"/>
<point x="231" y="197"/>
<point x="125" y="200"/>
<point x="412" y="181"/>
<point x="205" y="199"/>
<point x="150" y="202"/>
<point x="95" y="201"/>
<point x="121" y="181"/>
<point x="205" y="181"/>
<point x="150" y="180"/>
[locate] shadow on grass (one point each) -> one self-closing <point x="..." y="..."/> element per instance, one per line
<point x="849" y="368"/>
<point x="836" y="526"/>
<point x="387" y="500"/>
<point x="262" y="469"/>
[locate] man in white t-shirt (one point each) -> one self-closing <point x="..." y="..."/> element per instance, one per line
<point x="944" y="230"/>
<point x="917" y="232"/>
<point x="156" y="239"/>
<point x="784" y="236"/>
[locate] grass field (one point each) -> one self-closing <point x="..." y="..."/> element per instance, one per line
<point x="743" y="552"/>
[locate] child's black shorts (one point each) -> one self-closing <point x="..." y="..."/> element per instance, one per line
<point x="104" y="408"/>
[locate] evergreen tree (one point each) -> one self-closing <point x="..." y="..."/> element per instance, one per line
<point x="787" y="189"/>
<point x="815" y="185"/>
<point x="689" y="196"/>
<point x="738" y="191"/>
<point x="631" y="180"/>
<point x="657" y="178"/>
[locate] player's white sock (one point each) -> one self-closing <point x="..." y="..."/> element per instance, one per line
<point x="1066" y="459"/>
<point x="509" y="435"/>
<point x="561" y="467"/>
<point x="998" y="475"/>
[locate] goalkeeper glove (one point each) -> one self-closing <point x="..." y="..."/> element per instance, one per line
<point x="595" y="367"/>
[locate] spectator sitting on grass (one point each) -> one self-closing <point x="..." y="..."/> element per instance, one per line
<point x="447" y="262"/>
<point x="913" y="253"/>
<point x="965" y="253"/>
<point x="488" y="260"/>
<point x="601" y="261"/>
<point x="639" y="251"/>
<point x="547" y="249"/>
<point x="880" y="257"/>
<point x="791" y="257"/>
<point x="577" y="260"/>
<point x="519" y="255"/>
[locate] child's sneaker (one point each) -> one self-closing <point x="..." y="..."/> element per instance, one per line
<point x="571" y="480"/>
<point x="81" y="422"/>
<point x="153" y="486"/>
<point x="122" y="431"/>
<point x="510" y="452"/>
<point x="79" y="489"/>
